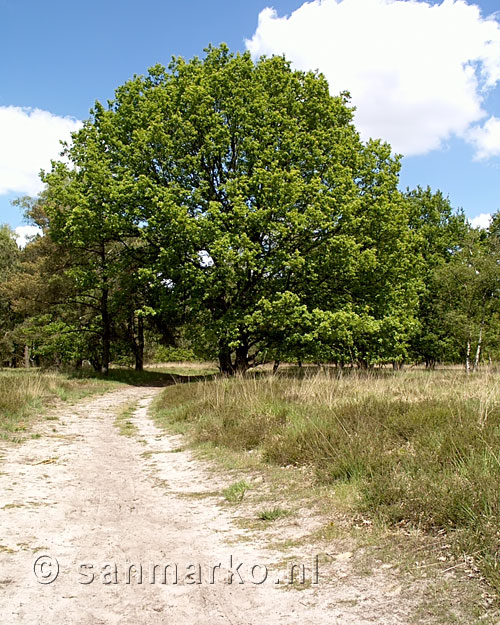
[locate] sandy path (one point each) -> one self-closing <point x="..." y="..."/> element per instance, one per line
<point x="84" y="494"/>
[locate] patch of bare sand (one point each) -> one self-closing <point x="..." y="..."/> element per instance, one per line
<point x="86" y="495"/>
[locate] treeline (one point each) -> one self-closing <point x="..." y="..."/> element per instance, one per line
<point x="228" y="209"/>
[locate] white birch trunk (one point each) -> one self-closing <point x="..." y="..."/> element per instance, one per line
<point x="478" y="349"/>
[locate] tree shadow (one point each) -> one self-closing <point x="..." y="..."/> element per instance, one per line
<point x="146" y="378"/>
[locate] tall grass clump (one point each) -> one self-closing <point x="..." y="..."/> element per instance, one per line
<point x="420" y="449"/>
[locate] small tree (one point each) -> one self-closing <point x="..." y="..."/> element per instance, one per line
<point x="469" y="288"/>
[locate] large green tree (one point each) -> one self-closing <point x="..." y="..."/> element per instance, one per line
<point x="258" y="201"/>
<point x="469" y="290"/>
<point x="262" y="222"/>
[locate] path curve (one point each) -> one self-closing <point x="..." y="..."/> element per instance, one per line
<point x="88" y="496"/>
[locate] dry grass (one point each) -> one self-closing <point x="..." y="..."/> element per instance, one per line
<point x="416" y="449"/>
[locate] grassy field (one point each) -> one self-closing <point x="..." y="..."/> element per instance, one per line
<point x="25" y="393"/>
<point x="412" y="449"/>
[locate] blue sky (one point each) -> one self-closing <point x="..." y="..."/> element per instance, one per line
<point x="423" y="75"/>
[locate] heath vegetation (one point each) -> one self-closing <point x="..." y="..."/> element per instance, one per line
<point x="415" y="449"/>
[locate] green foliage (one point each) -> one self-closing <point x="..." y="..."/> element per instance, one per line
<point x="9" y="252"/>
<point x="468" y="288"/>
<point x="174" y="354"/>
<point x="439" y="234"/>
<point x="89" y="223"/>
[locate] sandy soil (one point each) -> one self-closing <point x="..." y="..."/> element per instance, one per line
<point x="97" y="501"/>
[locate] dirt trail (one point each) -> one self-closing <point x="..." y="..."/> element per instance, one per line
<point x="84" y="494"/>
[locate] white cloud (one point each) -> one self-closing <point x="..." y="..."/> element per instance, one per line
<point x="29" y="139"/>
<point x="24" y="233"/>
<point x="486" y="139"/>
<point x="481" y="221"/>
<point x="418" y="73"/>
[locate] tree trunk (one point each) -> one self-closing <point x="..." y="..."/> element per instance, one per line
<point x="26" y="357"/>
<point x="478" y="349"/>
<point x="106" y="331"/>
<point x="139" y="352"/>
<point x="225" y="363"/>
<point x="106" y="322"/>
<point x="275" y="366"/>
<point x="467" y="358"/>
<point x="241" y="363"/>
